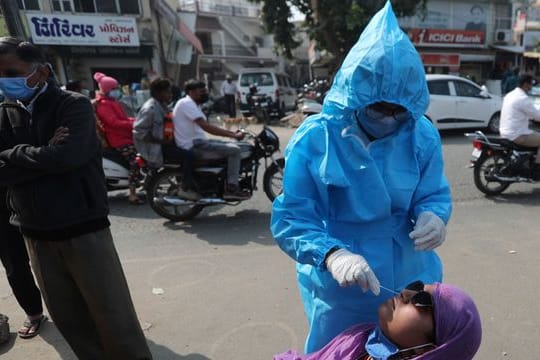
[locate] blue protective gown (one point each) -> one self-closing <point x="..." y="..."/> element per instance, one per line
<point x="342" y="190"/>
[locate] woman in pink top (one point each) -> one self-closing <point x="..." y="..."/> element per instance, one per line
<point x="118" y="127"/>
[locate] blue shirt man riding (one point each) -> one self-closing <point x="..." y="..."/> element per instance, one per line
<point x="365" y="199"/>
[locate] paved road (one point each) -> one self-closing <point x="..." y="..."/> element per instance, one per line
<point x="230" y="293"/>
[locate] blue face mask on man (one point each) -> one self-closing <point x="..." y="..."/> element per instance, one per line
<point x="16" y="88"/>
<point x="378" y="124"/>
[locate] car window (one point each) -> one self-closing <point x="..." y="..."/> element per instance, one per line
<point x="466" y="89"/>
<point x="260" y="79"/>
<point x="438" y="87"/>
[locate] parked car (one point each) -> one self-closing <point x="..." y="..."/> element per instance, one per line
<point x="456" y="102"/>
<point x="270" y="83"/>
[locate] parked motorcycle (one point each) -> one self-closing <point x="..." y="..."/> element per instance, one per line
<point x="210" y="178"/>
<point x="498" y="163"/>
<point x="305" y="107"/>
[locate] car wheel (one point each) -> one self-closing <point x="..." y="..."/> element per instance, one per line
<point x="494" y="123"/>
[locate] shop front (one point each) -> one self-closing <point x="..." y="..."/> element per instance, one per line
<point x="452" y="37"/>
<point x="456" y="52"/>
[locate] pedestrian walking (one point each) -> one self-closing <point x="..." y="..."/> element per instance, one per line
<point x="230" y="91"/>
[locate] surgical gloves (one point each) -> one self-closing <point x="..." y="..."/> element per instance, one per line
<point x="429" y="231"/>
<point x="348" y="269"/>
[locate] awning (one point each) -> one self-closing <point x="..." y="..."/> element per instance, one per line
<point x="509" y="48"/>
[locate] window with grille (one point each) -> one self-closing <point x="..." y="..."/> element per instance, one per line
<point x="62" y="5"/>
<point x="28" y="4"/>
<point x="108" y="6"/>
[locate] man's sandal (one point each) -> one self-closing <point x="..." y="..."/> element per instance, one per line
<point x="31" y="328"/>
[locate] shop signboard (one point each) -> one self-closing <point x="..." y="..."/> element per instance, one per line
<point x="448" y="38"/>
<point x="58" y="29"/>
<point x="431" y="59"/>
<point x="450" y="15"/>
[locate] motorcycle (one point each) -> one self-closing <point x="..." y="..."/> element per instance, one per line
<point x="261" y="106"/>
<point x="498" y="163"/>
<point x="116" y="169"/>
<point x="305" y="108"/>
<point x="210" y="178"/>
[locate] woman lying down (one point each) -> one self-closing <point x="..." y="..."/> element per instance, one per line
<point x="424" y="322"/>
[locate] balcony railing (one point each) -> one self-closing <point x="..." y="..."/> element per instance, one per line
<point x="217" y="50"/>
<point x="231" y="8"/>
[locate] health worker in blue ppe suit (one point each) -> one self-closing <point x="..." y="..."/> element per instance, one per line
<point x="365" y="199"/>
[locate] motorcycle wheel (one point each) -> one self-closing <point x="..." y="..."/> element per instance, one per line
<point x="484" y="171"/>
<point x="273" y="179"/>
<point x="494" y="123"/>
<point x="166" y="183"/>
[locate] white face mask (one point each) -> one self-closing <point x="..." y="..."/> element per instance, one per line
<point x="115" y="94"/>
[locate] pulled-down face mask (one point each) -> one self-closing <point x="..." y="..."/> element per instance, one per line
<point x="380" y="120"/>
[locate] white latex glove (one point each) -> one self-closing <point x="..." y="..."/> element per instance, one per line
<point x="348" y="269"/>
<point x="429" y="231"/>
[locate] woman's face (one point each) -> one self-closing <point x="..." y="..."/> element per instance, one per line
<point x="405" y="324"/>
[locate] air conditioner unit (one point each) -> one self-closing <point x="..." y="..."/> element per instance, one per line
<point x="146" y="35"/>
<point x="503" y="36"/>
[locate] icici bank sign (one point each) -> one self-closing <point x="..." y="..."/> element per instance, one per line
<point x="441" y="37"/>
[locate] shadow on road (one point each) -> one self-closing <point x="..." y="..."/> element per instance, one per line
<point x="246" y="226"/>
<point x="9" y="344"/>
<point x="120" y="206"/>
<point x="528" y="198"/>
<point x="164" y="353"/>
<point x="456" y="136"/>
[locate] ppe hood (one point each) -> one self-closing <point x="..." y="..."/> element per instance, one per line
<point x="382" y="66"/>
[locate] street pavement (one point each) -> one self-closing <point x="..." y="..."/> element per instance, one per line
<point x="218" y="287"/>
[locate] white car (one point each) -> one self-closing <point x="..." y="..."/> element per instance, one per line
<point x="456" y="102"/>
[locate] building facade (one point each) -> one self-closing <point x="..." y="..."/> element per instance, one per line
<point x="462" y="37"/>
<point x="232" y="38"/>
<point x="130" y="40"/>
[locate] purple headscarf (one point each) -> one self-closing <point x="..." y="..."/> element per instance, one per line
<point x="458" y="332"/>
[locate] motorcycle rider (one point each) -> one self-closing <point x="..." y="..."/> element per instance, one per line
<point x="118" y="128"/>
<point x="190" y="127"/>
<point x="516" y="111"/>
<point x="149" y="140"/>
